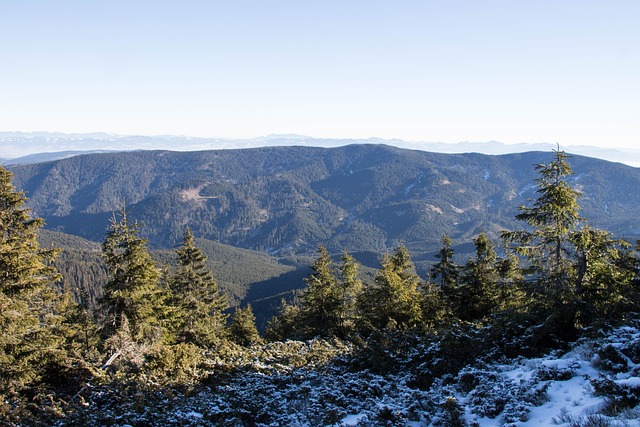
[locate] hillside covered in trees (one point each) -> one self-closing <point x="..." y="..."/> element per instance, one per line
<point x="160" y="345"/>
<point x="289" y="200"/>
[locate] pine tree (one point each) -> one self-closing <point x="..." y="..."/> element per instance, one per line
<point x="394" y="300"/>
<point x="350" y="288"/>
<point x="286" y="324"/>
<point x="133" y="302"/>
<point x="31" y="348"/>
<point x="478" y="294"/>
<point x="321" y="301"/>
<point x="200" y="304"/>
<point x="243" y="329"/>
<point x="605" y="270"/>
<point x="445" y="272"/>
<point x="553" y="219"/>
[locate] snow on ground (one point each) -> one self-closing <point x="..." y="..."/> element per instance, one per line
<point x="570" y="397"/>
<point x="573" y="396"/>
<point x="594" y="384"/>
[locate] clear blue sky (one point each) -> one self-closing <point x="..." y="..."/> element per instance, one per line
<point x="512" y="71"/>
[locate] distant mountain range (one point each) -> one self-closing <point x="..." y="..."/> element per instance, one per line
<point x="34" y="147"/>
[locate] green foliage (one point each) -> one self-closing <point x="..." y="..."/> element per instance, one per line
<point x="132" y="300"/>
<point x="200" y="306"/>
<point x="286" y="324"/>
<point x="553" y="218"/>
<point x="486" y="284"/>
<point x="321" y="300"/>
<point x="350" y="287"/>
<point x="242" y="329"/>
<point x="394" y="300"/>
<point x="581" y="274"/>
<point x="604" y="273"/>
<point x="35" y="335"/>
<point x="445" y="272"/>
<point x="23" y="263"/>
<point x="174" y="364"/>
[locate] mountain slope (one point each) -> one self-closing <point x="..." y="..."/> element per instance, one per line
<point x="288" y="200"/>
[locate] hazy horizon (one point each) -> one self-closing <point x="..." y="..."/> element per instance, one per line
<point x="516" y="72"/>
<point x="42" y="146"/>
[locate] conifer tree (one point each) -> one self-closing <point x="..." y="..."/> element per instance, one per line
<point x="286" y="324"/>
<point x="553" y="219"/>
<point x="511" y="293"/>
<point x="200" y="305"/>
<point x="394" y="300"/>
<point x="31" y="348"/>
<point x="243" y="329"/>
<point x="445" y="273"/>
<point x="321" y="300"/>
<point x="435" y="311"/>
<point x="478" y="294"/>
<point x="350" y="288"/>
<point x="605" y="270"/>
<point x="133" y="302"/>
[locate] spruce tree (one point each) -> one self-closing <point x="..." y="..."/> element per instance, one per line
<point x="201" y="318"/>
<point x="242" y="329"/>
<point x="394" y="300"/>
<point x="350" y="288"/>
<point x="552" y="219"/>
<point x="605" y="270"/>
<point x="445" y="272"/>
<point x="133" y="302"/>
<point x="32" y="350"/>
<point x="478" y="294"/>
<point x="286" y="324"/>
<point x="321" y="300"/>
<point x="510" y="285"/>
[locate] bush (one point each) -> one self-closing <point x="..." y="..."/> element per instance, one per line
<point x="619" y="397"/>
<point x="609" y="358"/>
<point x="177" y="363"/>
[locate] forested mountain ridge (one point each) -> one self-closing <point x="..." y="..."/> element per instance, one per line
<point x="290" y="199"/>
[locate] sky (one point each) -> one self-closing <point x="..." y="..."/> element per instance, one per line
<point x="564" y="72"/>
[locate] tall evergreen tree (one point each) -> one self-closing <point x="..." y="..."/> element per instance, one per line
<point x="553" y="218"/>
<point x="201" y="306"/>
<point x="445" y="272"/>
<point x="31" y="346"/>
<point x="133" y="301"/>
<point x="321" y="301"/>
<point x="478" y="294"/>
<point x="350" y="288"/>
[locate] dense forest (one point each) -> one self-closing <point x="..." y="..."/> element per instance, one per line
<point x="161" y="333"/>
